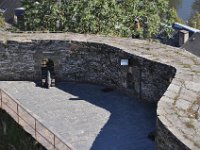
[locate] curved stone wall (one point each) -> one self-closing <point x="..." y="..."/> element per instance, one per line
<point x="154" y="72"/>
<point x="86" y="62"/>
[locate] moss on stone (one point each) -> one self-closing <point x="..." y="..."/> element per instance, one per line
<point x="2" y="22"/>
<point x="189" y="124"/>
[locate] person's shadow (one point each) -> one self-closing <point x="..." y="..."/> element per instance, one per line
<point x="130" y="122"/>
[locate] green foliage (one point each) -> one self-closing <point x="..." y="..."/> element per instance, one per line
<point x="175" y="3"/>
<point x="41" y="16"/>
<point x="126" y="18"/>
<point x="196" y="6"/>
<point x="2" y="21"/>
<point x="195" y="21"/>
<point x="13" y="137"/>
<point x="92" y="16"/>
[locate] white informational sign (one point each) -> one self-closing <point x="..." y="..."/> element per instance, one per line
<point x="124" y="62"/>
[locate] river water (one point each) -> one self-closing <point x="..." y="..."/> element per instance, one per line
<point x="185" y="8"/>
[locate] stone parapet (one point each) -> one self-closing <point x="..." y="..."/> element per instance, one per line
<point x="155" y="72"/>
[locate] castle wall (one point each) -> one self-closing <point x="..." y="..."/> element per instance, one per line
<point x="96" y="59"/>
<point x="85" y="62"/>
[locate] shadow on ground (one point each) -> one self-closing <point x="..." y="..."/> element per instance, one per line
<point x="130" y="122"/>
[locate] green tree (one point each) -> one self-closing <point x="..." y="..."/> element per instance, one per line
<point x="152" y="15"/>
<point x="92" y="16"/>
<point x="125" y="18"/>
<point x="175" y="3"/>
<point x="196" y="7"/>
<point x="41" y="15"/>
<point x="194" y="20"/>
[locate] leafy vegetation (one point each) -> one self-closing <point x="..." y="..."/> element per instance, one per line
<point x="13" y="137"/>
<point x="2" y="22"/>
<point x="175" y="3"/>
<point x="126" y="18"/>
<point x="194" y="21"/>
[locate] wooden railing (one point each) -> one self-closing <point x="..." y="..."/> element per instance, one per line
<point x="32" y="125"/>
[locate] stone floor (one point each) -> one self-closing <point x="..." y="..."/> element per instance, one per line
<point x="87" y="117"/>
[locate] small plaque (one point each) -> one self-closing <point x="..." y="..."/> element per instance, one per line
<point x="124" y="62"/>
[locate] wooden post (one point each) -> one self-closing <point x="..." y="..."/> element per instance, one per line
<point x="17" y="113"/>
<point x="35" y="130"/>
<point x="54" y="141"/>
<point x="140" y="84"/>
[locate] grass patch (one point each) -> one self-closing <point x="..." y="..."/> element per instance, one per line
<point x="189" y="124"/>
<point x="2" y="21"/>
<point x="177" y="96"/>
<point x="195" y="61"/>
<point x="197" y="144"/>
<point x="186" y="66"/>
<point x="194" y="113"/>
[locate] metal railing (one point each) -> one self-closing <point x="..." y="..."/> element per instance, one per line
<point x="32" y="125"/>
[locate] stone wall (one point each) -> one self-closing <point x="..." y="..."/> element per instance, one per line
<point x="192" y="45"/>
<point x="156" y="72"/>
<point x="86" y="62"/>
<point x="166" y="140"/>
<point x="16" y="62"/>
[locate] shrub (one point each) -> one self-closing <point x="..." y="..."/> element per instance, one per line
<point x="124" y="18"/>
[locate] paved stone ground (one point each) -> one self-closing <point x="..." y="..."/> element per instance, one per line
<point x="88" y="118"/>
